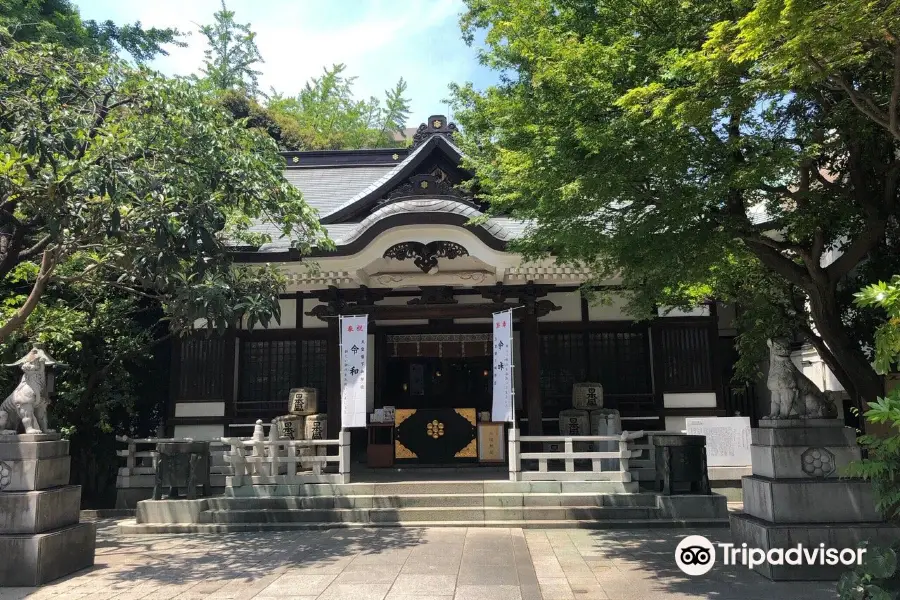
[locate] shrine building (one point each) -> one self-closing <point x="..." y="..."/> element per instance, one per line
<point x="407" y="254"/>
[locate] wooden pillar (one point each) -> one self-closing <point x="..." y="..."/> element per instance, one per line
<point x="333" y="378"/>
<point x="531" y="370"/>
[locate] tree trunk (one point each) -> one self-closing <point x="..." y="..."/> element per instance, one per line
<point x="864" y="385"/>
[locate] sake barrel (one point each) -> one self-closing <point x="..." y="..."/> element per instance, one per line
<point x="315" y="427"/>
<point x="607" y="421"/>
<point x="303" y="401"/>
<point x="575" y="421"/>
<point x="587" y="396"/>
<point x="290" y="427"/>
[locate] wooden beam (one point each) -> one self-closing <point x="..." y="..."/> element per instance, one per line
<point x="531" y="372"/>
<point x="333" y="379"/>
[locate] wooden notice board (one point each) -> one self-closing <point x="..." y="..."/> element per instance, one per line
<point x="491" y="442"/>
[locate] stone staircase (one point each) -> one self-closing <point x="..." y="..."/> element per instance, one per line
<point x="545" y="504"/>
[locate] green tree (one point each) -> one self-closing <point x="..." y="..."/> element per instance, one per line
<point x="58" y="22"/>
<point x="231" y="54"/>
<point x="326" y="115"/>
<point x="122" y="179"/>
<point x="718" y="148"/>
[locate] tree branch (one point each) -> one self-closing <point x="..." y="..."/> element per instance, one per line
<point x="48" y="264"/>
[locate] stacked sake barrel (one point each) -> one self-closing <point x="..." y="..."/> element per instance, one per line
<point x="303" y="421"/>
<point x="588" y="417"/>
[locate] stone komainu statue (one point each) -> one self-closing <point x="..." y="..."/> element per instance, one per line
<point x="794" y="395"/>
<point x="27" y="405"/>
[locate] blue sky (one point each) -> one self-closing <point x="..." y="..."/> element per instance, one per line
<point x="378" y="40"/>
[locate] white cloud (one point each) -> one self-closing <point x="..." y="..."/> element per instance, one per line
<point x="378" y="40"/>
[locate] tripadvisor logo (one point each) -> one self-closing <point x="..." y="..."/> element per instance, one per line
<point x="696" y="555"/>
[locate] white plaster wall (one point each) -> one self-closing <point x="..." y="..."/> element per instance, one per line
<point x="611" y="308"/>
<point x="288" y="316"/>
<point x="199" y="409"/>
<point x="690" y="400"/>
<point x="811" y="364"/>
<point x="700" y="311"/>
<point x="676" y="424"/>
<point x="312" y="322"/>
<point x="570" y="307"/>
<point x="200" y="432"/>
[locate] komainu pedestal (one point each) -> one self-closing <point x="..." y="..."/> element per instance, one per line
<point x="40" y="536"/>
<point x="796" y="495"/>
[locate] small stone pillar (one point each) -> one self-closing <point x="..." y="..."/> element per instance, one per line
<point x="40" y="536"/>
<point x="796" y="495"/>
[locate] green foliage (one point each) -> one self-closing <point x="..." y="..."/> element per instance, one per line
<point x="887" y="337"/>
<point x="325" y="115"/>
<point x="665" y="143"/>
<point x="876" y="578"/>
<point x="126" y="180"/>
<point x="231" y="54"/>
<point x="58" y="22"/>
<point x="882" y="466"/>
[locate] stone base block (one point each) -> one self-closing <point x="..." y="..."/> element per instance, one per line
<point x="29" y="437"/>
<point x="693" y="506"/>
<point x="38" y="512"/>
<point x="170" y="511"/>
<point x="757" y="533"/>
<point x="34" y="450"/>
<point x="28" y="475"/>
<point x="837" y="435"/>
<point x="809" y="500"/>
<point x="32" y="560"/>
<point x="797" y="462"/>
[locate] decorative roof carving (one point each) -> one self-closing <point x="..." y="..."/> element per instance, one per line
<point x="437" y="124"/>
<point x="424" y="185"/>
<point x="425" y="256"/>
<point x="435" y="295"/>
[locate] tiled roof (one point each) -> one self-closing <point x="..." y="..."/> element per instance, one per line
<point x="339" y="192"/>
<point x="327" y="188"/>
<point x="393" y="176"/>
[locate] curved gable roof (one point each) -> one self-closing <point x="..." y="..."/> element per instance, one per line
<point x="367" y="197"/>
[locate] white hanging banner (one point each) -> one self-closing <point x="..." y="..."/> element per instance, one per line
<point x="503" y="409"/>
<point x="354" y="335"/>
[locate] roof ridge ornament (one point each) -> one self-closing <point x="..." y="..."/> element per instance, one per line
<point x="436" y="125"/>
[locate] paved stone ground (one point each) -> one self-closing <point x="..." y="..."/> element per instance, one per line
<point x="407" y="564"/>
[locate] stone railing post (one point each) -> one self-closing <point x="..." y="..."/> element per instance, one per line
<point x="515" y="462"/>
<point x="344" y="456"/>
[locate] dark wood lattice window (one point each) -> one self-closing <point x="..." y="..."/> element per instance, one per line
<point x="684" y="357"/>
<point x="270" y="368"/>
<point x="562" y="365"/>
<point x="201" y="374"/>
<point x="620" y="361"/>
<point x="312" y="365"/>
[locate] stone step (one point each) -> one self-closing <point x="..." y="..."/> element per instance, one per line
<point x="132" y="528"/>
<point x="435" y="500"/>
<point x="432" y="487"/>
<point x="455" y="513"/>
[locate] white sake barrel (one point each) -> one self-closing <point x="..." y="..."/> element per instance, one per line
<point x="291" y="427"/>
<point x="587" y="396"/>
<point x="575" y="421"/>
<point x="315" y="427"/>
<point x="303" y="401"/>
